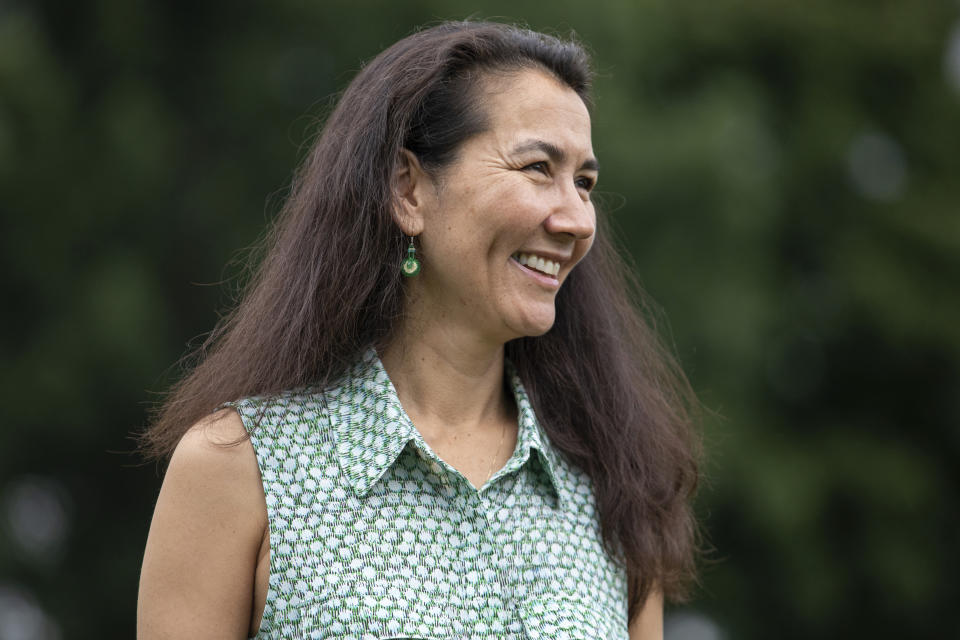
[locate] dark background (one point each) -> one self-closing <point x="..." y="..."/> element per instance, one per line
<point x="784" y="175"/>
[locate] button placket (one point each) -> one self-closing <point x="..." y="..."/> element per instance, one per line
<point x="497" y="530"/>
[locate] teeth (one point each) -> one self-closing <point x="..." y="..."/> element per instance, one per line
<point x="535" y="262"/>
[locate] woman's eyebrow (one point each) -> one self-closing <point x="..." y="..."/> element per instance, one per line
<point x="554" y="152"/>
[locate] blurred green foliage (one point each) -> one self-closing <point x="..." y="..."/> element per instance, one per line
<point x="783" y="175"/>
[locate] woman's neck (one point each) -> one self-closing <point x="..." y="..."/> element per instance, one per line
<point x="448" y="386"/>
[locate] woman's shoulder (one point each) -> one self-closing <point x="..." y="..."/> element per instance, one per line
<point x="291" y="412"/>
<point x="216" y="454"/>
<point x="210" y="513"/>
<point x="214" y="476"/>
<point x="210" y="433"/>
<point x="213" y="479"/>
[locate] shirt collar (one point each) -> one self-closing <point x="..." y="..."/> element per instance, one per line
<point x="532" y="436"/>
<point x="372" y="429"/>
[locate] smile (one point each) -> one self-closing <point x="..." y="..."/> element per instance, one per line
<point x="546" y="280"/>
<point x="532" y="261"/>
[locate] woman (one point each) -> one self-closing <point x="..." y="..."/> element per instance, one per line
<point x="451" y="420"/>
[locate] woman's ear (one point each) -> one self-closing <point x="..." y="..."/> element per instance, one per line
<point x="413" y="193"/>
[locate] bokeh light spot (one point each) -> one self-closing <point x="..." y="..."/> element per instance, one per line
<point x="877" y="166"/>
<point x="21" y="618"/>
<point x="35" y="512"/>
<point x="690" y="625"/>
<point x="951" y="59"/>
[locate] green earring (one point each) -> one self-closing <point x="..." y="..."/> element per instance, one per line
<point x="411" y="266"/>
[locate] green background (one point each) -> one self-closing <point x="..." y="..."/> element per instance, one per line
<point x="784" y="176"/>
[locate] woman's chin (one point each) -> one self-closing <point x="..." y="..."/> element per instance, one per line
<point x="532" y="326"/>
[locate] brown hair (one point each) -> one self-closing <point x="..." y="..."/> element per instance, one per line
<point x="608" y="394"/>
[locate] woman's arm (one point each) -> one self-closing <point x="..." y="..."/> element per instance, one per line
<point x="198" y="570"/>
<point x="648" y="625"/>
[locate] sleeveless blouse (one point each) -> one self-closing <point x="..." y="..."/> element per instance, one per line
<point x="373" y="536"/>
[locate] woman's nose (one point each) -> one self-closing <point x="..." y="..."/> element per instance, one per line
<point x="572" y="215"/>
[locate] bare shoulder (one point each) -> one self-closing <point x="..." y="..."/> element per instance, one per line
<point x="213" y="433"/>
<point x="208" y="525"/>
<point x="216" y="456"/>
<point x="214" y="469"/>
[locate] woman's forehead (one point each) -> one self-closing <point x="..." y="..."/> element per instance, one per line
<point x="532" y="109"/>
<point x="526" y="89"/>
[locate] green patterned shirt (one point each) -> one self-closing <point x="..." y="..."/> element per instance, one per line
<point x="373" y="536"/>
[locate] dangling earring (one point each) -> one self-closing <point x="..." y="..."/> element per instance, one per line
<point x="411" y="266"/>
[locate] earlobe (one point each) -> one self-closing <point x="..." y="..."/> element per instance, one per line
<point x="410" y="186"/>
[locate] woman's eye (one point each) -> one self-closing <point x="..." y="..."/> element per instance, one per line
<point x="585" y="183"/>
<point x="538" y="166"/>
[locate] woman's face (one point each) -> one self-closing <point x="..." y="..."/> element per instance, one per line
<point x="518" y="192"/>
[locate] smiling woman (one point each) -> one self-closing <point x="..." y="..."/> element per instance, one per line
<point x="521" y="186"/>
<point x="494" y="446"/>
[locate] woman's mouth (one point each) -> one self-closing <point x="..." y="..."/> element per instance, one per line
<point x="537" y="263"/>
<point x="537" y="268"/>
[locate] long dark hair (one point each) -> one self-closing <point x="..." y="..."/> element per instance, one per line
<point x="608" y="394"/>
